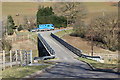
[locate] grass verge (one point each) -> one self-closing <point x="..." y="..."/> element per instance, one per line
<point x="20" y="72"/>
<point x="98" y="65"/>
<point x="64" y="32"/>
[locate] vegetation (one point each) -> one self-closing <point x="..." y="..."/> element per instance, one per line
<point x="6" y="45"/>
<point x="99" y="65"/>
<point x="20" y="72"/>
<point x="74" y="14"/>
<point x="45" y="15"/>
<point x="29" y="23"/>
<point x="64" y="32"/>
<point x="10" y="25"/>
<point x="20" y="28"/>
<point x="73" y="11"/>
<point x="79" y="29"/>
<point x="102" y="30"/>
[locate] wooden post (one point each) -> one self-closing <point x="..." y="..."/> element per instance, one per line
<point x="23" y="37"/>
<point x="12" y="39"/>
<point x="3" y="59"/>
<point x="31" y="56"/>
<point x="10" y="58"/>
<point x="21" y="59"/>
<point x="15" y="38"/>
<point x="28" y="36"/>
<point x="91" y="45"/>
<point x="16" y="57"/>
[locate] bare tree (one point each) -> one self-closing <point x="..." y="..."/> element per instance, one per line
<point x="105" y="30"/>
<point x="71" y="10"/>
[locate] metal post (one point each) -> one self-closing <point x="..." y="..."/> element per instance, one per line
<point x="3" y="59"/>
<point x="10" y="58"/>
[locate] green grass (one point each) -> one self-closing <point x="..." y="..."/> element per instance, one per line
<point x="35" y="53"/>
<point x="32" y="36"/>
<point x="22" y="33"/>
<point x="98" y="65"/>
<point x="19" y="72"/>
<point x="64" y="32"/>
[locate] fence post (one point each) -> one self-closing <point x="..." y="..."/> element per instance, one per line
<point x="10" y="58"/>
<point x="16" y="57"/>
<point x="31" y="56"/>
<point x="21" y="59"/>
<point x="28" y="36"/>
<point x="3" y="59"/>
<point x="15" y="38"/>
<point x="11" y="39"/>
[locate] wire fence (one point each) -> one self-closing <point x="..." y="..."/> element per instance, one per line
<point x="13" y="58"/>
<point x="17" y="57"/>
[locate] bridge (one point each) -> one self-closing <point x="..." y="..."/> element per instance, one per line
<point x="68" y="65"/>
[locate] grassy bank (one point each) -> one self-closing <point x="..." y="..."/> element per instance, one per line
<point x="98" y="65"/>
<point x="64" y="32"/>
<point x="19" y="72"/>
<point x="33" y="38"/>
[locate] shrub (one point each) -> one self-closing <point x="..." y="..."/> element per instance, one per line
<point x="20" y="28"/>
<point x="6" y="45"/>
<point x="10" y="31"/>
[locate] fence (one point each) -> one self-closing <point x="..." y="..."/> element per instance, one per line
<point x="48" y="48"/>
<point x="18" y="57"/>
<point x="21" y="38"/>
<point x="72" y="48"/>
<point x="18" y="38"/>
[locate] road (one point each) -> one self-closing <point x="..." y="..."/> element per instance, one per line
<point x="68" y="66"/>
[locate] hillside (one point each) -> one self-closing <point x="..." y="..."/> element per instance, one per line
<point x="30" y="8"/>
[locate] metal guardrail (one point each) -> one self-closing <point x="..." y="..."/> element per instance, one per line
<point x="76" y="51"/>
<point x="48" y="48"/>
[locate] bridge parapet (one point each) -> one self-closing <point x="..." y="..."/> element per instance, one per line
<point x="75" y="50"/>
<point x="46" y="45"/>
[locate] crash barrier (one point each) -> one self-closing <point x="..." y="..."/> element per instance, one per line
<point x="76" y="51"/>
<point x="46" y="45"/>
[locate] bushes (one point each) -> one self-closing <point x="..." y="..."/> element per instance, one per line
<point x="79" y="29"/>
<point x="102" y="29"/>
<point x="10" y="31"/>
<point x="20" y="28"/>
<point x="105" y="28"/>
<point x="6" y="45"/>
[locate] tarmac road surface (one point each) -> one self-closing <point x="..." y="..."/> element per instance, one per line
<point x="68" y="66"/>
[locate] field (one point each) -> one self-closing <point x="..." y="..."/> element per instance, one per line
<point x="85" y="46"/>
<point x="30" y="8"/>
<point x="24" y="9"/>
